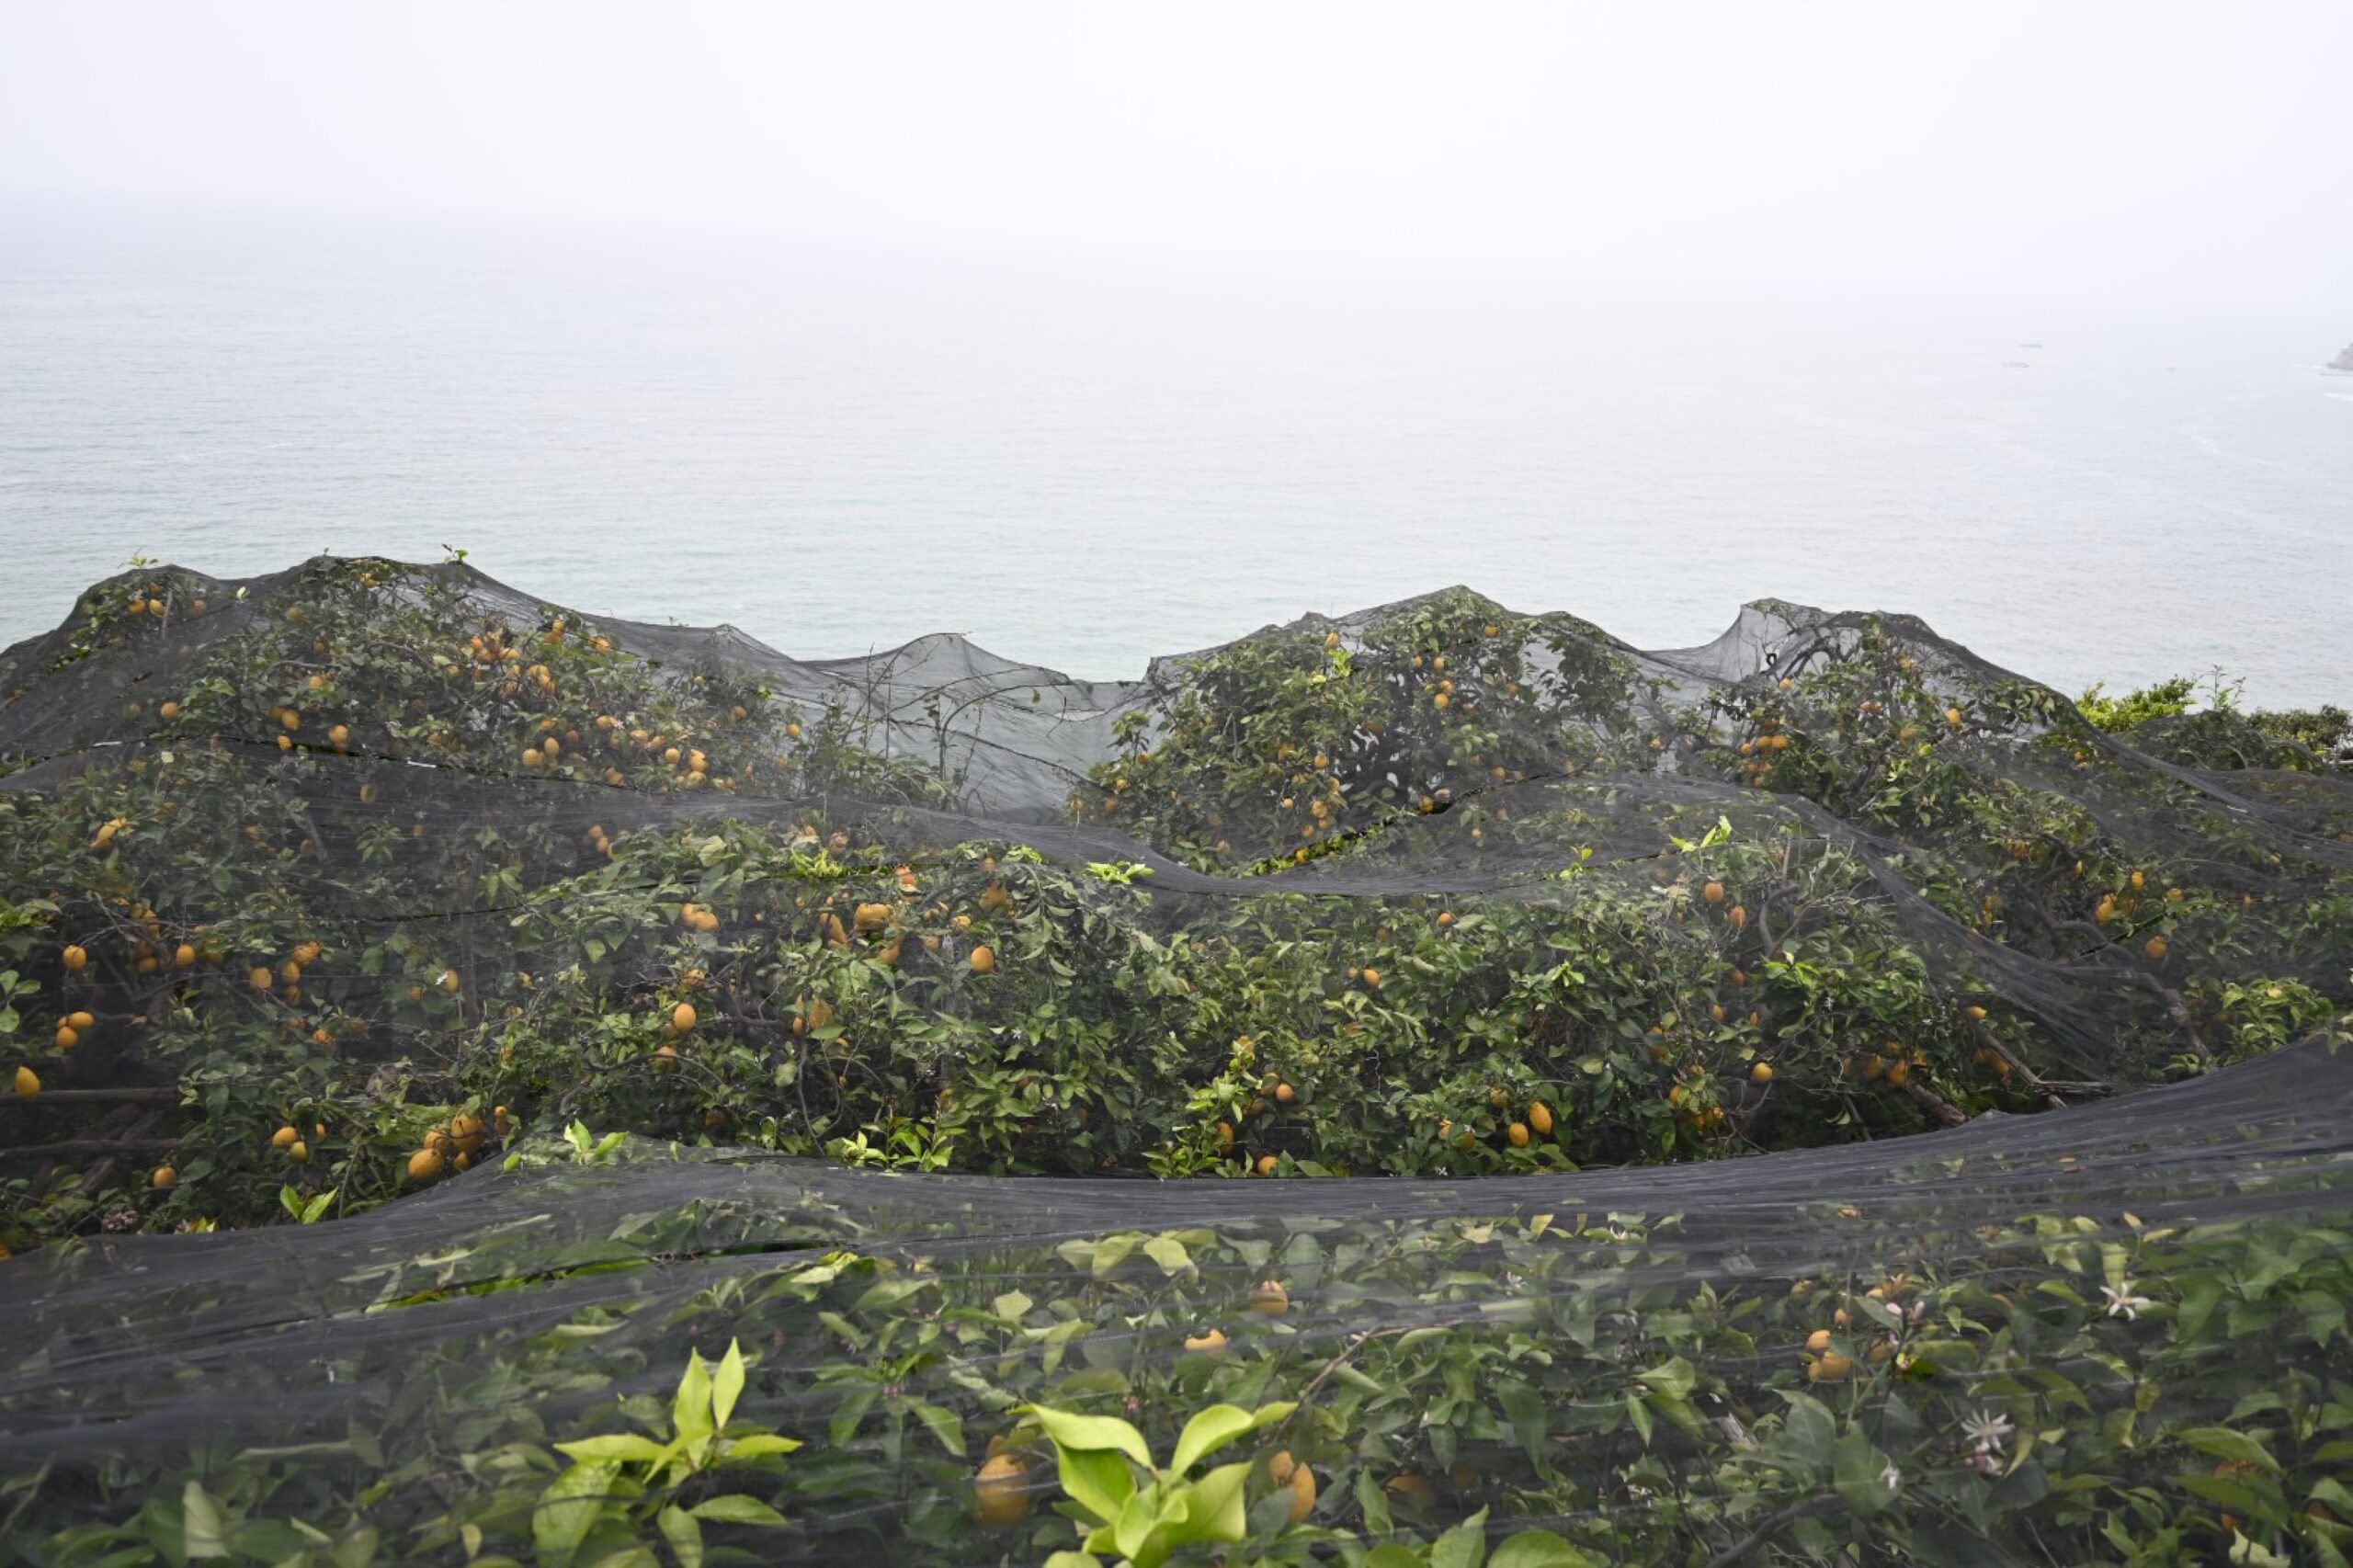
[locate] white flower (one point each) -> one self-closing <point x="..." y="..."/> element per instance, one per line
<point x="1988" y="1432"/>
<point x="2122" y="1302"/>
<point x="1891" y="1476"/>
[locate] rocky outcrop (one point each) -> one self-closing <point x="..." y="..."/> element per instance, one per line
<point x="2343" y="361"/>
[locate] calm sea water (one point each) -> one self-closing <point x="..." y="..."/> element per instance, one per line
<point x="1085" y="464"/>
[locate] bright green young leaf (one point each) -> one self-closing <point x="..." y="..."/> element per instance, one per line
<point x="760" y="1445"/>
<point x="1099" y="1480"/>
<point x="626" y="1446"/>
<point x="1218" y="1508"/>
<point x="1214" y="1428"/>
<point x="1131" y="1532"/>
<point x="726" y="1385"/>
<point x="690" y="1412"/>
<point x="1069" y="1430"/>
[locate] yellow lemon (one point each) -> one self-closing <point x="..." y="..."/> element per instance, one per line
<point x="1003" y="1490"/>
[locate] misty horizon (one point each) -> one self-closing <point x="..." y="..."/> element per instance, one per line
<point x="2147" y="154"/>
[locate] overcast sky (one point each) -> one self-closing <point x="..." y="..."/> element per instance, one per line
<point x="2193" y="151"/>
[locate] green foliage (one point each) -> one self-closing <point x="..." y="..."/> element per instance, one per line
<point x="623" y="1487"/>
<point x="544" y="937"/>
<point x="1284" y="747"/>
<point x="2050" y="1387"/>
<point x="1141" y="1514"/>
<point x="2118" y="714"/>
<point x="399" y="885"/>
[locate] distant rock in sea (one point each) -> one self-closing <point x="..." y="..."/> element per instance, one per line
<point x="2343" y="361"/>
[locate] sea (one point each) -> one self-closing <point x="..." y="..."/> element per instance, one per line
<point x="1083" y="460"/>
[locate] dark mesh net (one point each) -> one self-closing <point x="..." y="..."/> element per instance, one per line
<point x="653" y="1099"/>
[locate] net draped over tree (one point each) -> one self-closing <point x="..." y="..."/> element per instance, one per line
<point x="1814" y="1091"/>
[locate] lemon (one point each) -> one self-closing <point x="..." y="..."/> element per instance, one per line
<point x="1289" y="1473"/>
<point x="1002" y="1488"/>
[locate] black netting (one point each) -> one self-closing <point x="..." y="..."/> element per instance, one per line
<point x="1812" y="1093"/>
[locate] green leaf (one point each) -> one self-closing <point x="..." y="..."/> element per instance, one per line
<point x="1675" y="1379"/>
<point x="1859" y="1472"/>
<point x="684" y="1534"/>
<point x="1809" y="1429"/>
<point x="626" y="1446"/>
<point x="759" y="1445"/>
<point x="944" y="1424"/>
<point x="1074" y="1559"/>
<point x="203" y="1531"/>
<point x="1112" y="1251"/>
<point x="735" y="1508"/>
<point x="1138" y="1517"/>
<point x="854" y="1406"/>
<point x="726" y="1385"/>
<point x="1169" y="1253"/>
<point x="567" y="1510"/>
<point x="1391" y="1556"/>
<point x="1069" y="1430"/>
<point x="1524" y="1408"/>
<point x="357" y="1550"/>
<point x="1098" y="1480"/>
<point x="1216" y="1427"/>
<point x="1219" y="1511"/>
<point x="690" y="1412"/>
<point x="2226" y="1444"/>
<point x="1539" y="1548"/>
<point x="1465" y="1546"/>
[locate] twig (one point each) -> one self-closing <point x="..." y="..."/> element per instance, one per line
<point x="2178" y="1012"/>
<point x="67" y="1097"/>
<point x="1986" y="1038"/>
<point x="91" y="1147"/>
<point x="1359" y="1342"/>
<point x="1936" y="1105"/>
<point x="97" y="1173"/>
<point x="1773" y="1524"/>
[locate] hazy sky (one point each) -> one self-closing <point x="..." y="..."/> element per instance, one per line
<point x="2151" y="149"/>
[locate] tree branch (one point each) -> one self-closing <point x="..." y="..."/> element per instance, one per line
<point x="1771" y="1526"/>
<point x="71" y="1097"/>
<point x="91" y="1147"/>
